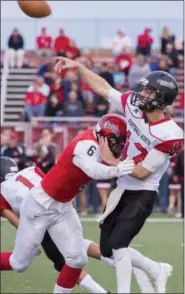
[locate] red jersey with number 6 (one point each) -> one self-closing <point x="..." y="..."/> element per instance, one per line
<point x="64" y="180"/>
<point x="143" y="136"/>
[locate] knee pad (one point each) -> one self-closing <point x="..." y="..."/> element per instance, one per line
<point x="18" y="267"/>
<point x="77" y="259"/>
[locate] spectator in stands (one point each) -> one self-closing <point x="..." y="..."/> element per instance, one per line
<point x="163" y="193"/>
<point x="44" y="158"/>
<point x="163" y="65"/>
<point x="5" y="136"/>
<point x="87" y="92"/>
<point x="54" y="107"/>
<point x="173" y="60"/>
<point x="179" y="47"/>
<point x="101" y="107"/>
<point x="166" y="38"/>
<point x="72" y="50"/>
<point x="15" y="50"/>
<point x="139" y="69"/>
<point x="118" y="77"/>
<point x="46" y="140"/>
<point x="70" y="77"/>
<point x="35" y="102"/>
<point x="124" y="60"/>
<point x="44" y="43"/>
<point x="14" y="150"/>
<point x="106" y="74"/>
<point x="121" y="41"/>
<point x="144" y="43"/>
<point x="76" y="87"/>
<point x="42" y="87"/>
<point x="56" y="88"/>
<point x="46" y="71"/>
<point x="154" y="62"/>
<point x="174" y="189"/>
<point x="73" y="107"/>
<point x="61" y="43"/>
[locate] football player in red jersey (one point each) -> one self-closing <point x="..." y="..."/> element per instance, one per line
<point x="14" y="188"/>
<point x="152" y="137"/>
<point x="49" y="205"/>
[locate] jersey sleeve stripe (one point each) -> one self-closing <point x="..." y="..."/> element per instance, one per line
<point x="39" y="172"/>
<point x="4" y="204"/>
<point x="124" y="99"/>
<point x="171" y="146"/>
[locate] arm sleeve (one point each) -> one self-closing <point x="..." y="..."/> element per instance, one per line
<point x="154" y="160"/>
<point x="118" y="100"/>
<point x="86" y="156"/>
<point x="94" y="169"/>
<point x="115" y="98"/>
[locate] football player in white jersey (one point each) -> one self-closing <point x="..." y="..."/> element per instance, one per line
<point x="152" y="137"/>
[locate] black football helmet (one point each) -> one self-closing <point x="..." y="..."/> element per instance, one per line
<point x="8" y="167"/>
<point x="163" y="84"/>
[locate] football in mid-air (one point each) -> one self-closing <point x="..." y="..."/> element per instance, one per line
<point x="34" y="8"/>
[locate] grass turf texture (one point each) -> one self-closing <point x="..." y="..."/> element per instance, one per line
<point x="160" y="241"/>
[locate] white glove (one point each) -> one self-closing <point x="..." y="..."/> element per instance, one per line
<point x="125" y="167"/>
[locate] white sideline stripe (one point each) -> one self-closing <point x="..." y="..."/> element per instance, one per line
<point x="150" y="220"/>
<point x="143" y="281"/>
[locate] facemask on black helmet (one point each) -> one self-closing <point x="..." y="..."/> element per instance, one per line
<point x="158" y="90"/>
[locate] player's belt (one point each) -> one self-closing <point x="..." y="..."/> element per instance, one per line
<point x="112" y="202"/>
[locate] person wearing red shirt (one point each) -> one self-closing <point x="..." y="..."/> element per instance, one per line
<point x="44" y="42"/>
<point x="34" y="103"/>
<point x="124" y="61"/>
<point x="72" y="51"/>
<point x="61" y="43"/>
<point x="144" y="43"/>
<point x="56" y="88"/>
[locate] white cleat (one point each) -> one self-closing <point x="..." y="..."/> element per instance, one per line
<point x="161" y="280"/>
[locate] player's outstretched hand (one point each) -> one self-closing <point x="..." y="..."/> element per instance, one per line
<point x="125" y="167"/>
<point x="63" y="63"/>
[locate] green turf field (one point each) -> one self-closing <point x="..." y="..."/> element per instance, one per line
<point x="160" y="241"/>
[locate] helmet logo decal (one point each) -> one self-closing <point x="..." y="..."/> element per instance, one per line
<point x="166" y="84"/>
<point x="144" y="81"/>
<point x="112" y="127"/>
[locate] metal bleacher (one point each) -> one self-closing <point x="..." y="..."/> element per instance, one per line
<point x="18" y="81"/>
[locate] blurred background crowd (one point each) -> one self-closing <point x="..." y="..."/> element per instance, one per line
<point x="66" y="95"/>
